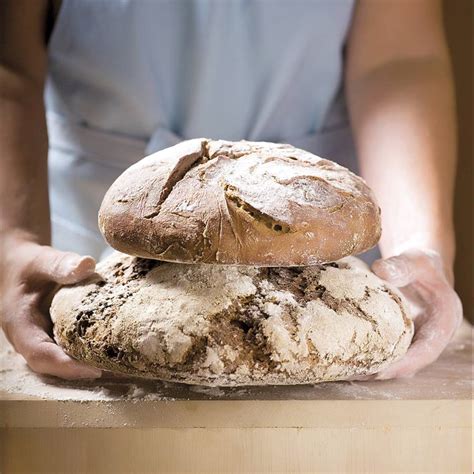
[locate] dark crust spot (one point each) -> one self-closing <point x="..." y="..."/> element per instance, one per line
<point x="83" y="322"/>
<point x="240" y="326"/>
<point x="304" y="289"/>
<point x="294" y="279"/>
<point x="113" y="352"/>
<point x="103" y="310"/>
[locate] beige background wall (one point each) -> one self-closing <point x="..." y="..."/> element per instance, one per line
<point x="459" y="26"/>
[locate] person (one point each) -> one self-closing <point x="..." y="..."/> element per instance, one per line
<point x="87" y="87"/>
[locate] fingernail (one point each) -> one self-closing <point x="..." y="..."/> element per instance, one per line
<point x="70" y="262"/>
<point x="385" y="268"/>
<point x="384" y="375"/>
<point x="81" y="265"/>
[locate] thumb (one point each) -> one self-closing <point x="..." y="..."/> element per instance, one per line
<point x="62" y="267"/>
<point x="396" y="270"/>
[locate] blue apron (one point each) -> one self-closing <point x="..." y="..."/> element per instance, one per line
<point x="129" y="77"/>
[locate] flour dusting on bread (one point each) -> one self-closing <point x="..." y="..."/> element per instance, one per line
<point x="239" y="203"/>
<point x="233" y="325"/>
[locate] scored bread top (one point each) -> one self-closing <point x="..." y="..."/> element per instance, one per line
<point x="243" y="203"/>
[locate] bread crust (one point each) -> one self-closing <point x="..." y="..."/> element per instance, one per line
<point x="240" y="203"/>
<point x="233" y="325"/>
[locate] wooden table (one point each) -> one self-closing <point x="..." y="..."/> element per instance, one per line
<point x="129" y="425"/>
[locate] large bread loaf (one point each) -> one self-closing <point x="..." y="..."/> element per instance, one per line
<point x="239" y="203"/>
<point x="232" y="325"/>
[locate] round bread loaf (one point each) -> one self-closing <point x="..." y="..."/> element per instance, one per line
<point x="242" y="203"/>
<point x="233" y="325"/>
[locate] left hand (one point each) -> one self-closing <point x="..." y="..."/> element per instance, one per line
<point x="434" y="305"/>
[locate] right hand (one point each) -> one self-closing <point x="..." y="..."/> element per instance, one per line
<point x="31" y="272"/>
<point x="435" y="307"/>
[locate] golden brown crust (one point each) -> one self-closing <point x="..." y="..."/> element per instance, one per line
<point x="249" y="203"/>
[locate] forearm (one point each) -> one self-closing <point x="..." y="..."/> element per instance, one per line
<point x="403" y="119"/>
<point x="24" y="206"/>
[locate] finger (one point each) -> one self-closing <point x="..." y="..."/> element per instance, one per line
<point x="413" y="301"/>
<point x="419" y="355"/>
<point x="396" y="270"/>
<point x="44" y="356"/>
<point x="62" y="267"/>
<point x="431" y="337"/>
<point x="361" y="378"/>
<point x="404" y="269"/>
<point x="49" y="359"/>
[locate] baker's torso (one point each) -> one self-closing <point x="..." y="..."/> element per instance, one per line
<point x="129" y="77"/>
